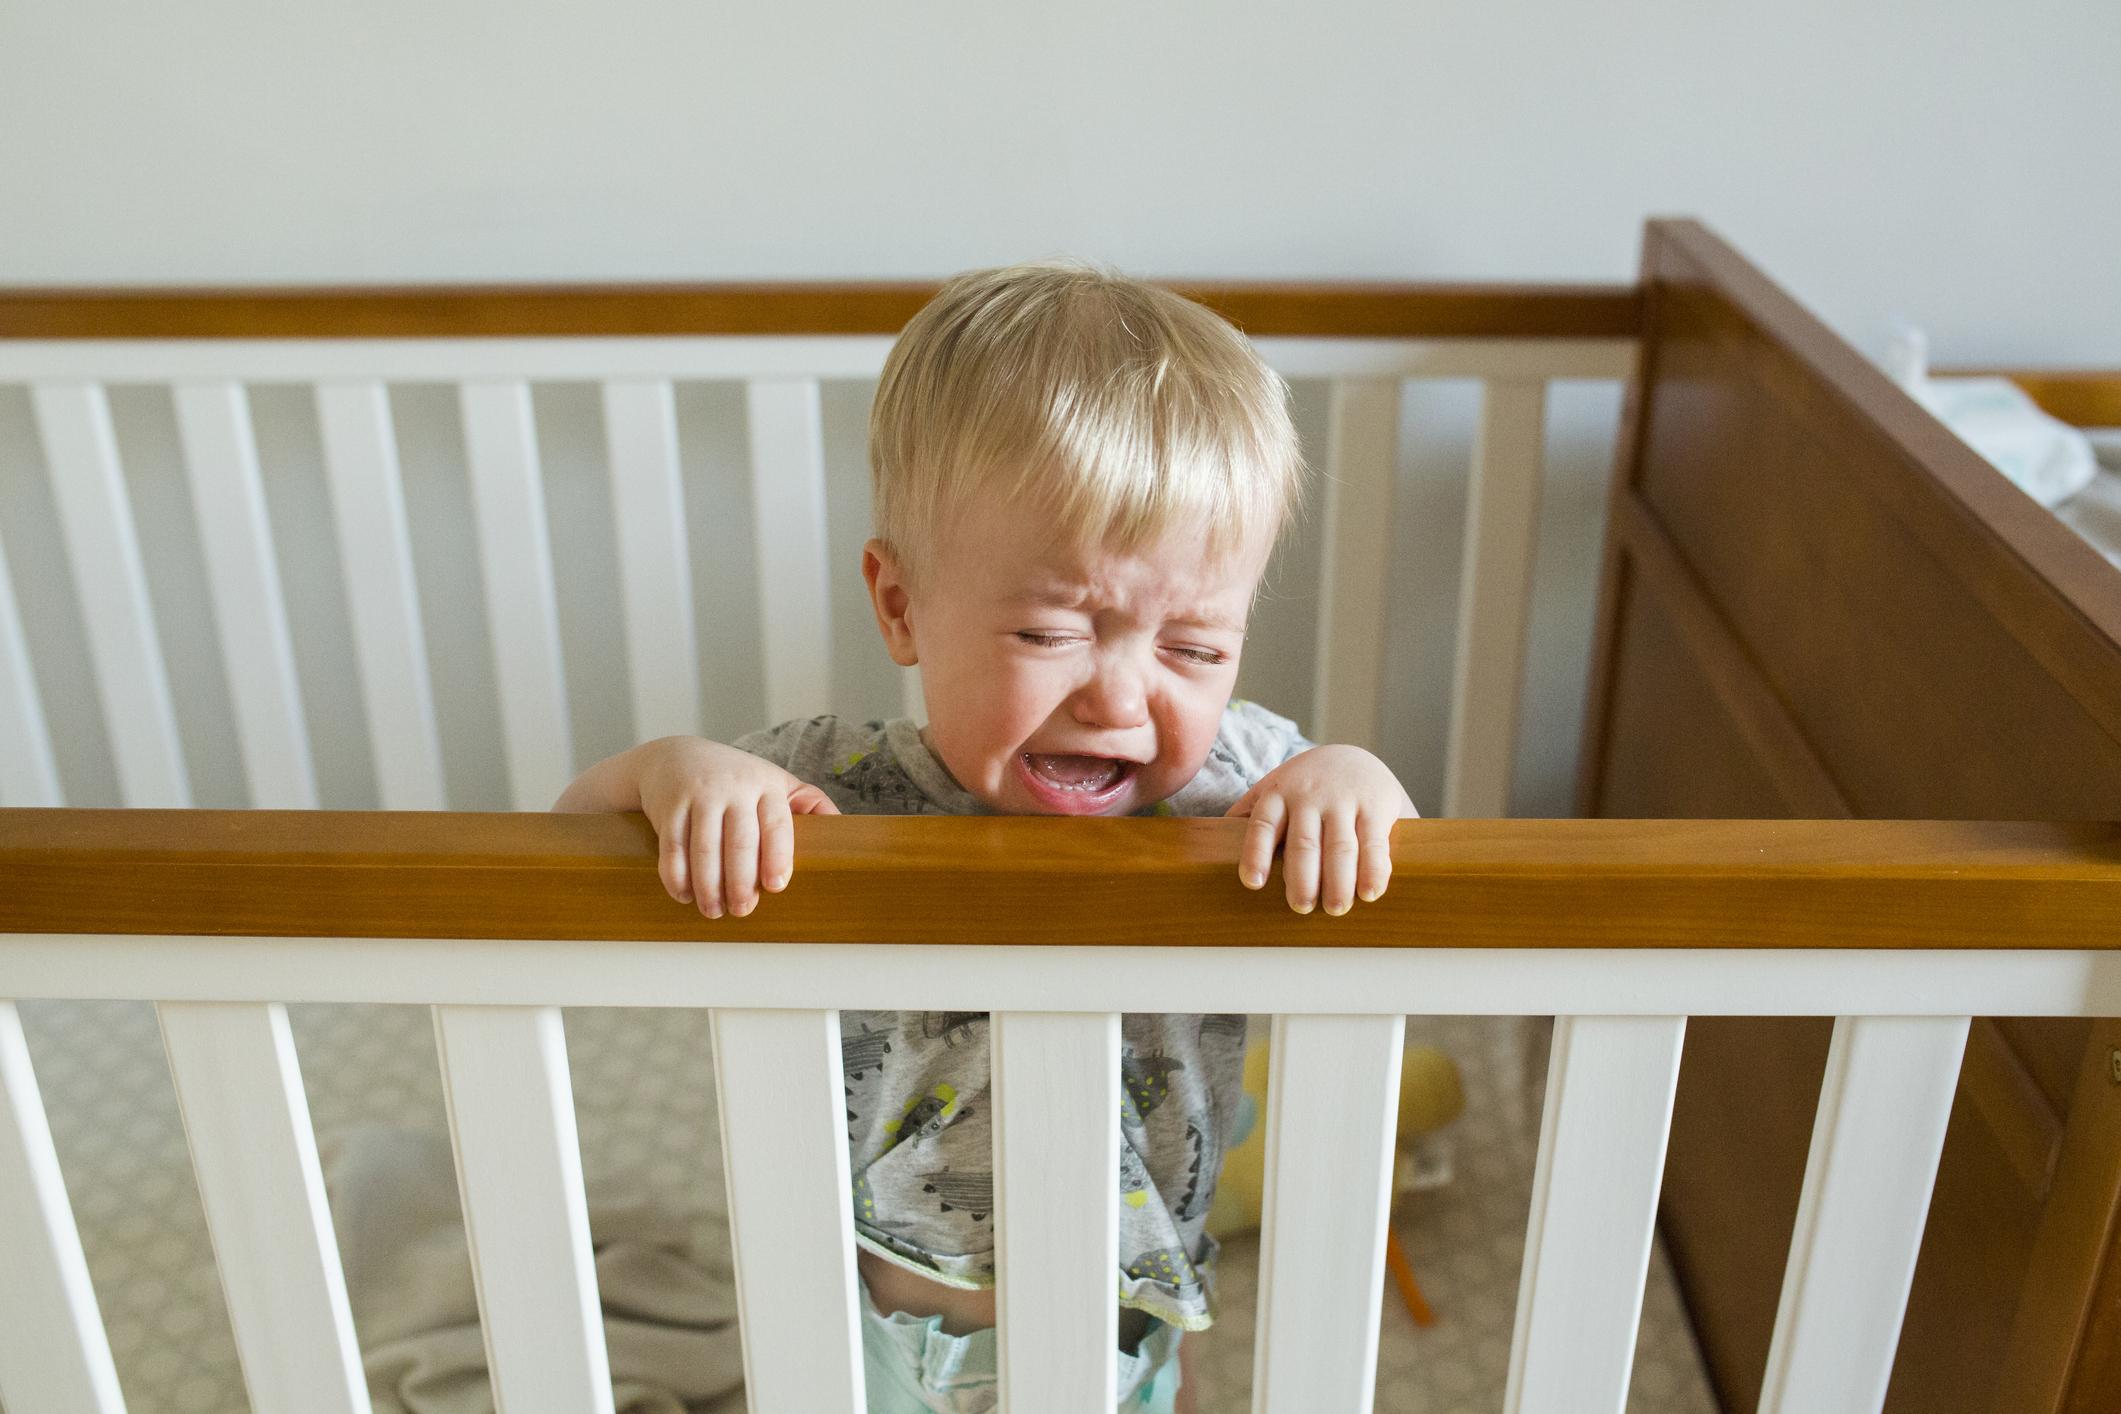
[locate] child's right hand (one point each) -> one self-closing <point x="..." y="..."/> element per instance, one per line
<point x="724" y="820"/>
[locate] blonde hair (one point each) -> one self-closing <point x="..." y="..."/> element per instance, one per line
<point x="1122" y="411"/>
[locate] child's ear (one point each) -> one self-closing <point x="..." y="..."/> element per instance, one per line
<point x="888" y="596"/>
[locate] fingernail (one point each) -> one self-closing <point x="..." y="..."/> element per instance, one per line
<point x="1252" y="879"/>
<point x="713" y="912"/>
<point x="776" y="881"/>
<point x="1301" y="907"/>
<point x="1336" y="912"/>
<point x="1370" y="895"/>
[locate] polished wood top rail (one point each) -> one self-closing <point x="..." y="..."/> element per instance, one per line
<point x="1337" y="309"/>
<point x="1456" y="883"/>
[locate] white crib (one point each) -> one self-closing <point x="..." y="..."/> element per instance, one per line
<point x="1619" y="930"/>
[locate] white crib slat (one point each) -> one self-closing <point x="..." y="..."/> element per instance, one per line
<point x="519" y="1171"/>
<point x="1056" y="1156"/>
<point x="1594" y="1211"/>
<point x="29" y="775"/>
<point x="53" y="1352"/>
<point x="1495" y="598"/>
<point x="522" y="610"/>
<point x="791" y="1215"/>
<point x="246" y="1119"/>
<point x="788" y="529"/>
<point x="228" y="502"/>
<point x="1883" y="1106"/>
<point x="1362" y="461"/>
<point x="96" y="521"/>
<point x="662" y="653"/>
<point x="375" y="553"/>
<point x="1332" y="1107"/>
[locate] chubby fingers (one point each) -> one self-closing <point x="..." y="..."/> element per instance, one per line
<point x="1330" y="857"/>
<point x="1256" y="859"/>
<point x="1336" y="867"/>
<point x="1301" y="852"/>
<point x="1373" y="830"/>
<point x="740" y="857"/>
<point x="736" y="851"/>
<point x="776" y="843"/>
<point x="1320" y="851"/>
<point x="671" y="862"/>
<point x="704" y="855"/>
<point x="809" y="800"/>
<point x="776" y="855"/>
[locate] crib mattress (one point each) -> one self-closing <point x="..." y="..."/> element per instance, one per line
<point x="644" y="1103"/>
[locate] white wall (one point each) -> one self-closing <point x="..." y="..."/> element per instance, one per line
<point x="1949" y="163"/>
<point x="1951" y="160"/>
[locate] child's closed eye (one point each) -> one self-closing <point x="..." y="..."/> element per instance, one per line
<point x="1207" y="657"/>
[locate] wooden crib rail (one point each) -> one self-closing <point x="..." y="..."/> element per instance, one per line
<point x="1621" y="929"/>
<point x="969" y="881"/>
<point x="1354" y="309"/>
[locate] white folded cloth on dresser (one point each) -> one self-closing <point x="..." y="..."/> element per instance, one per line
<point x="2045" y="457"/>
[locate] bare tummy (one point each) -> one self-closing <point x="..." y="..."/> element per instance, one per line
<point x="893" y="1288"/>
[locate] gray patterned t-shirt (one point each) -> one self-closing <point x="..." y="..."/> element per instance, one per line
<point x="919" y="1136"/>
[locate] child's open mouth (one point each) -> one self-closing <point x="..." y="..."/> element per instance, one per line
<point x="1074" y="785"/>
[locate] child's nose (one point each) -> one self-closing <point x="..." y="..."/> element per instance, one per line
<point x="1113" y="698"/>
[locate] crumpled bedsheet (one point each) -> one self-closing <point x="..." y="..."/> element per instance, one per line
<point x="664" y="1277"/>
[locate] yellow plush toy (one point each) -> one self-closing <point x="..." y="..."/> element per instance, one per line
<point x="1431" y="1095"/>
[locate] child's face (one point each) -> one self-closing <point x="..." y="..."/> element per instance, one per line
<point x="1061" y="682"/>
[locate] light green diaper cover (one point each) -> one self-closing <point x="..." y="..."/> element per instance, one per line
<point x="912" y="1367"/>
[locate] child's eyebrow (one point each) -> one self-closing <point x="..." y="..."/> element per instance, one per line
<point x="1057" y="597"/>
<point x="1210" y="619"/>
<point x="1053" y="597"/>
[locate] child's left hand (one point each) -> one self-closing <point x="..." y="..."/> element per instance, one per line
<point x="1336" y="805"/>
